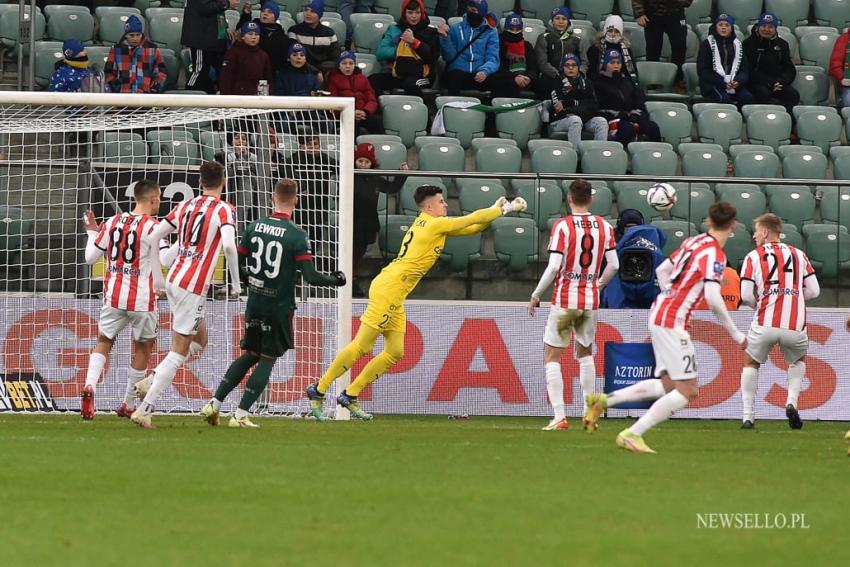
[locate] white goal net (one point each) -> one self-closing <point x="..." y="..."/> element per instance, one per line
<point x="61" y="154"/>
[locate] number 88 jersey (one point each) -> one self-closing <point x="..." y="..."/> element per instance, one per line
<point x="582" y="239"/>
<point x="128" y="282"/>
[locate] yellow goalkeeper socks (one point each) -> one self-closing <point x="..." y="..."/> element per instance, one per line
<point x="392" y="353"/>
<point x="362" y="343"/>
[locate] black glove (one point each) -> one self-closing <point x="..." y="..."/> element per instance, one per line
<point x="340" y="278"/>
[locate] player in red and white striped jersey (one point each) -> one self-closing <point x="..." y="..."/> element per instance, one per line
<point x="776" y="281"/>
<point x="132" y="275"/>
<point x="204" y="225"/>
<point x="577" y="246"/>
<point x="692" y="271"/>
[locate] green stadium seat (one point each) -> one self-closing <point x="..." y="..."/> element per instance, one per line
<point x="785" y="151"/>
<point x="677" y="231"/>
<point x="692" y="202"/>
<point x="832" y="13"/>
<point x="798" y="110"/>
<point x="165" y="30"/>
<point x="770" y="128"/>
<point x="655" y="162"/>
<point x="657" y="78"/>
<point x="699" y="12"/>
<point x="611" y="161"/>
<point x="406" y="202"/>
<point x="368" y="34"/>
<point x="750" y="108"/>
<point x="636" y="147"/>
<point x="69" y="22"/>
<point x="172" y="66"/>
<point x="47" y="54"/>
<point x="744" y="11"/>
<point x="515" y="242"/>
<point x="498" y="159"/>
<point x="704" y="163"/>
<point x="386" y="99"/>
<point x="101" y="11"/>
<point x="157" y="11"/>
<point x="98" y="54"/>
<point x="699" y="107"/>
<point x="597" y="145"/>
<point x="836" y="152"/>
<point x="391" y="233"/>
<point x="540" y="9"/>
<point x="603" y="200"/>
<point x="554" y="159"/>
<point x="9" y="27"/>
<point x="749" y="205"/>
<point x="594" y="11"/>
<point x="232" y="17"/>
<point x="462" y="123"/>
<point x="802" y="31"/>
<point x="211" y="143"/>
<point x="792" y="238"/>
<point x="795" y="206"/>
<point x="377" y="138"/>
<point x="16" y="234"/>
<point x="740" y="244"/>
<point x="474" y="194"/>
<point x="390" y="155"/>
<point x="367" y="63"/>
<point x="337" y="25"/>
<point x="813" y="85"/>
<point x="111" y="24"/>
<point x="172" y="147"/>
<point x="815" y="48"/>
<point x="635" y="198"/>
<point x="442" y="157"/>
<point x="675" y="124"/>
<point x="790" y="12"/>
<point x="460" y="251"/>
<point x="544" y="197"/>
<point x="519" y="125"/>
<point x="425" y="140"/>
<point x="533" y="145"/>
<point x="787" y="34"/>
<point x="121" y="147"/>
<point x="719" y="126"/>
<point x="823" y="228"/>
<point x="686" y="147"/>
<point x="820" y="129"/>
<point x="689" y="70"/>
<point x="327" y="16"/>
<point x="636" y="36"/>
<point x="479" y="143"/>
<point x="835" y="205"/>
<point x="841" y="167"/>
<point x="722" y="188"/>
<point x="406" y="119"/>
<point x="757" y="164"/>
<point x="829" y="252"/>
<point x="737" y="149"/>
<point x="800" y="165"/>
<point x="626" y="11"/>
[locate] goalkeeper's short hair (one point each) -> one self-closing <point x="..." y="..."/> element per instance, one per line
<point x="424" y="191"/>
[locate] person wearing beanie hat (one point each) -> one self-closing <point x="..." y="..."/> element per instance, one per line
<point x="611" y="37"/>
<point x="135" y="64"/>
<point x="246" y="64"/>
<point x="72" y="72"/>
<point x="721" y="66"/>
<point x="551" y="47"/>
<point x="622" y="103"/>
<point x="349" y="81"/>
<point x="574" y="104"/>
<point x="839" y="69"/>
<point x="320" y="41"/>
<point x="518" y="61"/>
<point x="660" y="17"/>
<point x="273" y="38"/>
<point x="296" y="77"/>
<point x="471" y="64"/>
<point x="408" y="51"/>
<point x="206" y="34"/>
<point x="772" y="70"/>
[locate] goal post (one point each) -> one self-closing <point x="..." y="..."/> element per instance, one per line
<point x="63" y="153"/>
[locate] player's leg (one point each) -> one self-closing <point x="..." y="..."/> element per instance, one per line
<point x="794" y="345"/>
<point x="555" y="387"/>
<point x="362" y="344"/>
<point x="392" y="353"/>
<point x="97" y="361"/>
<point x="145" y="327"/>
<point x="759" y="342"/>
<point x="251" y="344"/>
<point x="585" y="335"/>
<point x="256" y="384"/>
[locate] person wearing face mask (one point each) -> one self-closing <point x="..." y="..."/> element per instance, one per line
<point x="134" y="64"/>
<point x="471" y="50"/>
<point x="574" y="105"/>
<point x="551" y="47"/>
<point x="518" y="62"/>
<point x="721" y="65"/>
<point x="611" y="37"/>
<point x="622" y="103"/>
<point x="771" y="69"/>
<point x="409" y="49"/>
<point x="273" y="38"/>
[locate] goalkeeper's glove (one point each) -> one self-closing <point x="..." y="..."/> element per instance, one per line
<point x="516" y="206"/>
<point x="340" y="278"/>
<point x="499" y="203"/>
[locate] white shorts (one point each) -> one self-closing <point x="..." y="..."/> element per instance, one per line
<point x="674" y="353"/>
<point x="187" y="310"/>
<point x="558" y="329"/>
<point x="794" y="344"/>
<point x="112" y="321"/>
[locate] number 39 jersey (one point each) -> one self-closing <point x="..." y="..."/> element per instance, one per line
<point x="198" y="222"/>
<point x="128" y="282"/>
<point x="778" y="272"/>
<point x="272" y="248"/>
<point x="583" y="240"/>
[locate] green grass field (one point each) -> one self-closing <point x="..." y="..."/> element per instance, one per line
<point x="406" y="491"/>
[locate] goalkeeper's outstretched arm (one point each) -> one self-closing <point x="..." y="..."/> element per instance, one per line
<point x="462" y="226"/>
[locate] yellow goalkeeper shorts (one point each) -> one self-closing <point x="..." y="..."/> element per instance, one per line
<point x="385" y="311"/>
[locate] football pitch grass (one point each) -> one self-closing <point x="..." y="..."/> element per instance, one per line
<point x="409" y="491"/>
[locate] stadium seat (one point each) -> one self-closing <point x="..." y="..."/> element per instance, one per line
<point x="749" y="205"/>
<point x="503" y="158"/>
<point x="98" y="54"/>
<point x="704" y="163"/>
<point x="636" y="147"/>
<point x="804" y="165"/>
<point x="719" y="126"/>
<point x="101" y="11"/>
<point x="554" y="159"/>
<point x="406" y="119"/>
<point x="534" y="145"/>
<point x="746" y="12"/>
<point x="740" y="244"/>
<point x="585" y="31"/>
<point x="367" y="35"/>
<point x="841" y="167"/>
<point x="820" y="129"/>
<point x="800" y="109"/>
<point x="327" y="16"/>
<point x="425" y="140"/>
<point x="232" y="17"/>
<point x="802" y="31"/>
<point x="544" y="197"/>
<point x="474" y="194"/>
<point x="657" y="78"/>
<point x="769" y="127"/>
<point x="9" y="27"/>
<point x="636" y="37"/>
<point x="832" y="13"/>
<point x="823" y="228"/>
<point x="836" y="152"/>
<point x="699" y="12"/>
<point x="47" y="54"/>
<point x="756" y="164"/>
<point x="699" y="107"/>
<point x="406" y="202"/>
<point x="390" y="154"/>
<point x="442" y="157"/>
<point x="121" y="147"/>
<point x="750" y="108"/>
<point x="172" y="66"/>
<point x="829" y="252"/>
<point x="677" y="231"/>
<point x="460" y="251"/>
<point x="691" y="47"/>
<point x="479" y="143"/>
<point x="391" y="233"/>
<point x="377" y="138"/>
<point x="157" y="10"/>
<point x="462" y="123"/>
<point x="165" y="30"/>
<point x="540" y="9"/>
<point x="518" y="125"/>
<point x="835" y="205"/>
<point x="603" y="200"/>
<point x="595" y="11"/>
<point x="16" y="234"/>
<point x="626" y="11"/>
<point x="795" y="206"/>
<point x="692" y="203"/>
<point x="386" y="99"/>
<point x="610" y="161"/>
<point x="655" y="162"/>
<point x="69" y="22"/>
<point x="597" y="145"/>
<point x="211" y="143"/>
<point x="170" y="147"/>
<point x="815" y="48"/>
<point x="790" y="12"/>
<point x="737" y="149"/>
<point x="686" y="147"/>
<point x="515" y="242"/>
<point x="792" y="238"/>
<point x="635" y="198"/>
<point x="813" y="85"/>
<point x="689" y="70"/>
<point x="722" y="188"/>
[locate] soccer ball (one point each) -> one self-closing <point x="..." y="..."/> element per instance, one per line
<point x="661" y="196"/>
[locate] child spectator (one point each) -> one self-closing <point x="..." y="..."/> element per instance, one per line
<point x="246" y="64"/>
<point x="242" y="170"/>
<point x="839" y="69"/>
<point x="320" y="41"/>
<point x="622" y="103"/>
<point x="135" y="64"/>
<point x="470" y="50"/>
<point x="348" y="81"/>
<point x="611" y="37"/>
<point x="518" y="62"/>
<point x="721" y="65"/>
<point x="273" y="38"/>
<point x="551" y="47"/>
<point x="296" y="78"/>
<point x="409" y="49"/>
<point x="574" y="104"/>
<point x="769" y="61"/>
<point x="72" y="72"/>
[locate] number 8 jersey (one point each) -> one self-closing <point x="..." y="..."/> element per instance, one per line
<point x="778" y="272"/>
<point x="583" y="240"/>
<point x="128" y="282"/>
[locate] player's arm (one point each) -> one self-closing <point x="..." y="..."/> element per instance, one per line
<point x="470" y="230"/>
<point x="228" y="244"/>
<point x="662" y="273"/>
<point x="711" y="291"/>
<point x="153" y="259"/>
<point x="611" y="268"/>
<point x="451" y="226"/>
<point x="162" y="230"/>
<point x="811" y="286"/>
<point x="748" y="292"/>
<point x="555" y="260"/>
<point x="95" y="241"/>
<point x="314" y="277"/>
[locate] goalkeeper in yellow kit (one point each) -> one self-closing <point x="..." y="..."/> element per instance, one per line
<point x="384" y="314"/>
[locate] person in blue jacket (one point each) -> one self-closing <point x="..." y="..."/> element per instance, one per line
<point x="640" y="251"/>
<point x="722" y="65"/>
<point x="296" y="78"/>
<point x="72" y="72"/>
<point x="471" y="50"/>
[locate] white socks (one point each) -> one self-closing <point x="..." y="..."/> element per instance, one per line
<point x="163" y="376"/>
<point x="215" y="404"/>
<point x="651" y="389"/>
<point x="749" y="386"/>
<point x="194" y="348"/>
<point x="796" y="372"/>
<point x="555" y="389"/>
<point x="133" y="376"/>
<point x="240" y="413"/>
<point x="660" y="411"/>
<point x="96" y="363"/>
<point x="586" y="377"/>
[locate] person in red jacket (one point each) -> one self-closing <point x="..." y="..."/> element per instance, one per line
<point x="839" y="65"/>
<point x="246" y="64"/>
<point x="347" y="80"/>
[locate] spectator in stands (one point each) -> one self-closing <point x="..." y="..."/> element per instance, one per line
<point x="205" y="33"/>
<point x="839" y="68"/>
<point x="721" y="65"/>
<point x="319" y="40"/>
<point x="409" y="49"/>
<point x="574" y="104"/>
<point x="518" y="61"/>
<point x="242" y="170"/>
<point x="471" y="50"/>
<point x="273" y="38"/>
<point x="551" y="47"/>
<point x="622" y="103"/>
<point x="769" y="61"/>
<point x="246" y="64"/>
<point x="314" y="171"/>
<point x="349" y="81"/>
<point x="659" y="17"/>
<point x="296" y="78"/>
<point x="611" y="37"/>
<point x="72" y="72"/>
<point x="348" y="7"/>
<point x="134" y="64"/>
